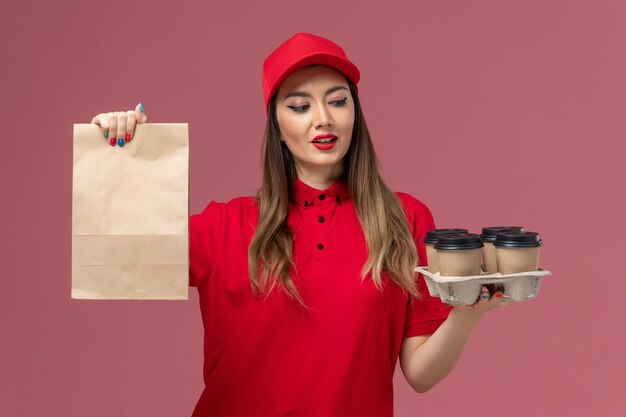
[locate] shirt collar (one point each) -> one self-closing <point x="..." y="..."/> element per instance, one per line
<point x="304" y="195"/>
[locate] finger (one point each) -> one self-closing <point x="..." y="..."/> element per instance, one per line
<point x="140" y="114"/>
<point x="483" y="298"/>
<point x="130" y="125"/>
<point x="112" y="118"/>
<point x="121" y="127"/>
<point x="501" y="300"/>
<point x="484" y="294"/>
<point x="103" y="122"/>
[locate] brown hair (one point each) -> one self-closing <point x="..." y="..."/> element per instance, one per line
<point x="390" y="244"/>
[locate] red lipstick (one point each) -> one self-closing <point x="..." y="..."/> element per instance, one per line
<point x="328" y="142"/>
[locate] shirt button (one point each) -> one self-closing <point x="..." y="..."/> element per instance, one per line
<point x="338" y="199"/>
<point x="320" y="246"/>
<point x="321" y="219"/>
<point x="306" y="204"/>
<point x="322" y="197"/>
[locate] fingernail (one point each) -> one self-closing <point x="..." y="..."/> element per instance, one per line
<point x="128" y="138"/>
<point x="499" y="294"/>
<point x="141" y="107"/>
<point x="120" y="142"/>
<point x="485" y="289"/>
<point x="112" y="141"/>
<point x="106" y="134"/>
<point x="485" y="296"/>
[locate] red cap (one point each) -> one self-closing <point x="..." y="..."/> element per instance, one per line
<point x="300" y="50"/>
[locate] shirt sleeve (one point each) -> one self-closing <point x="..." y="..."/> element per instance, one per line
<point x="423" y="315"/>
<point x="204" y="236"/>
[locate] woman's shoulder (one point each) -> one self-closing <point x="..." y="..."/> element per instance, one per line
<point x="238" y="206"/>
<point x="412" y="204"/>
<point x="418" y="214"/>
<point x="241" y="202"/>
<point x="232" y="205"/>
<point x="229" y="215"/>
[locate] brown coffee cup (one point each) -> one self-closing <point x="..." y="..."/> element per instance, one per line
<point x="430" y="240"/>
<point x="517" y="251"/>
<point x="459" y="254"/>
<point x="490" y="263"/>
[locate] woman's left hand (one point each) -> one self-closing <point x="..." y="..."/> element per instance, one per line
<point x="485" y="303"/>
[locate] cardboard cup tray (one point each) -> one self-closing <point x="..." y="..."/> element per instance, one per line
<point x="522" y="286"/>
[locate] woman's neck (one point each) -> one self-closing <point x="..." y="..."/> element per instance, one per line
<point x="320" y="178"/>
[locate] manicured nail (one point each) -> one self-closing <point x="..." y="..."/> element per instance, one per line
<point x="499" y="294"/>
<point x="485" y="296"/>
<point x="106" y="134"/>
<point x="120" y="142"/>
<point x="128" y="138"/>
<point x="112" y="141"/>
<point x="141" y="107"/>
<point x="485" y="289"/>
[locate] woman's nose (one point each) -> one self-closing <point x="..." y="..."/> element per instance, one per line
<point x="322" y="117"/>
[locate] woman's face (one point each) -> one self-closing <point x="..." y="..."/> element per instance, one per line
<point x="315" y="101"/>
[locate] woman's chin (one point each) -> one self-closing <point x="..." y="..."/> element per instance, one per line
<point x="323" y="164"/>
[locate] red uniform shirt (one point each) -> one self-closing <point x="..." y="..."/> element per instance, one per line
<point x="272" y="358"/>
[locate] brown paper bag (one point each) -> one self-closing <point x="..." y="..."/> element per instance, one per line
<point x="130" y="214"/>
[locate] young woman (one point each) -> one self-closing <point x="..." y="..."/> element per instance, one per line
<point x="307" y="291"/>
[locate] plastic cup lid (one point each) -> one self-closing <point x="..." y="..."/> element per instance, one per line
<point x="432" y="235"/>
<point x="459" y="242"/>
<point x="518" y="240"/>
<point x="489" y="233"/>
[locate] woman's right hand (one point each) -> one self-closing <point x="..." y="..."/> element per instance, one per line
<point x="118" y="127"/>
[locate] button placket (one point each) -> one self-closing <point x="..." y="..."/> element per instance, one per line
<point x="321" y="217"/>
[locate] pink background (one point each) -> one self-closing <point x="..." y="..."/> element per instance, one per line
<point x="491" y="112"/>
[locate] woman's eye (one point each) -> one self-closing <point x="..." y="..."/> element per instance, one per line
<point x="341" y="102"/>
<point x="299" y="109"/>
<point x="304" y="107"/>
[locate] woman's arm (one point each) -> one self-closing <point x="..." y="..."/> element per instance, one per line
<point x="426" y="360"/>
